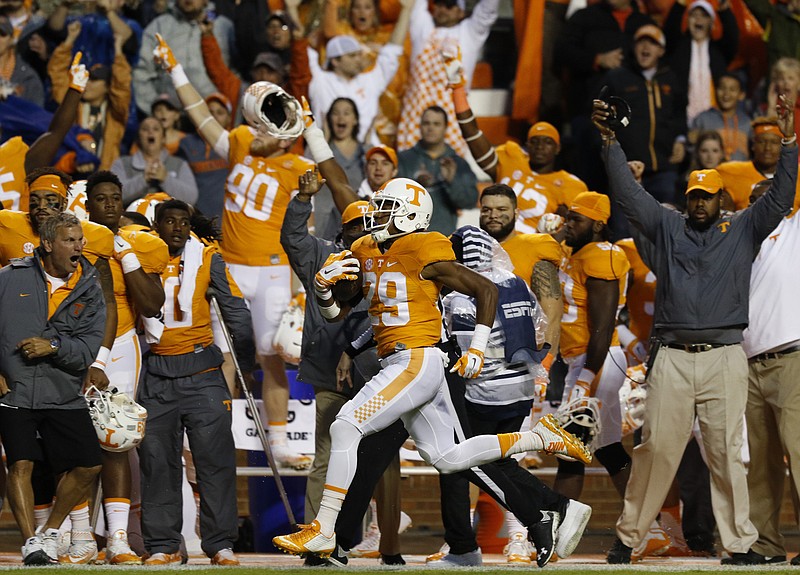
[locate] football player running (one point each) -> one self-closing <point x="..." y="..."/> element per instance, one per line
<point x="404" y="268"/>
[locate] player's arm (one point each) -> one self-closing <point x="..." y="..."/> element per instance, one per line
<point x="144" y="289"/>
<point x="479" y="145"/>
<point x="329" y="168"/>
<point x="96" y="375"/>
<point x="601" y="306"/>
<point x="43" y="150"/>
<point x="547" y="289"/>
<point x="196" y="108"/>
<point x="462" y="279"/>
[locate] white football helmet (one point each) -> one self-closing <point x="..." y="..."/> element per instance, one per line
<point x="76" y="200"/>
<point x="268" y="108"/>
<point x="581" y="417"/>
<point x="402" y="202"/>
<point x="632" y="397"/>
<point x="289" y="337"/>
<point x="118" y="420"/>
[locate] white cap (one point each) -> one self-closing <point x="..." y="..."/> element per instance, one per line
<point x="339" y="46"/>
<point x="705" y="5"/>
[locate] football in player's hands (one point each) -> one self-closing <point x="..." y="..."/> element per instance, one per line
<point x="346" y="290"/>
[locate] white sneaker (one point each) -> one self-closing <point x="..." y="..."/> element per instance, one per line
<point x="33" y="552"/>
<point x="50" y="542"/>
<point x="405" y="522"/>
<point x="119" y="552"/>
<point x="518" y="551"/>
<point x="574" y="518"/>
<point x="82" y="549"/>
<point x="370" y="543"/>
<point x="471" y="559"/>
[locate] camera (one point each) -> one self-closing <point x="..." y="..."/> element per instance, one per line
<point x="619" y="110"/>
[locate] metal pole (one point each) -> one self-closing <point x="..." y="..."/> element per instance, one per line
<point x="251" y="403"/>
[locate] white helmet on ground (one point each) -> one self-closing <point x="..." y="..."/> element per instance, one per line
<point x="118" y="420"/>
<point x="268" y="108"/>
<point x="632" y="397"/>
<point x="405" y="203"/>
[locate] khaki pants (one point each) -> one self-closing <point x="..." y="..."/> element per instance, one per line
<point x="713" y="386"/>
<point x="773" y="421"/>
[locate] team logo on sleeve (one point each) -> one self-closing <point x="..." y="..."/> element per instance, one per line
<point x="28" y="248"/>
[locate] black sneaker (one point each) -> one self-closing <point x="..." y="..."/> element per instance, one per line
<point x="795" y="560"/>
<point x="542" y="536"/>
<point x="776" y="560"/>
<point x="392" y="559"/>
<point x="315" y="561"/>
<point x="619" y="553"/>
<point x="338" y="558"/>
<point x="749" y="558"/>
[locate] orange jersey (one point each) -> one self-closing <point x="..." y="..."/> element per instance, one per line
<point x="17" y="238"/>
<point x="187" y="332"/>
<point x="13" y="191"/>
<point x="153" y="255"/>
<point x="641" y="294"/>
<point x="600" y="260"/>
<point x="739" y="179"/>
<point x="526" y="250"/>
<point x="256" y="195"/>
<point x="537" y="194"/>
<point x="402" y="305"/>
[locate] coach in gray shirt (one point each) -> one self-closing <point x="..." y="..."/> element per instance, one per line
<point x="698" y="368"/>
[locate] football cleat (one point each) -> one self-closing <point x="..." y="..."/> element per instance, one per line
<point x="308" y="540"/>
<point x="119" y="552"/>
<point x="82" y="549"/>
<point x="225" y="557"/>
<point x="655" y="543"/>
<point x="164" y="559"/>
<point x="518" y="551"/>
<point x="559" y="441"/>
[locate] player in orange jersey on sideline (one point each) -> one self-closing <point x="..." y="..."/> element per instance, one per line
<point x="139" y="259"/>
<point x="263" y="176"/>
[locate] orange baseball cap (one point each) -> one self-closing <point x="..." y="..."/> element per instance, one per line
<point x="49" y="183"/>
<point x="354" y="210"/>
<point x="653" y="32"/>
<point x="707" y="180"/>
<point x="592" y="205"/>
<point x="386" y="151"/>
<point x="545" y="129"/>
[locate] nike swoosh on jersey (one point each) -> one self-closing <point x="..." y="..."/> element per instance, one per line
<point x="390" y="264"/>
<point x="116" y="359"/>
<point x="24" y="295"/>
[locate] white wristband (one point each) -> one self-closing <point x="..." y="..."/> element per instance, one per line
<point x="789" y="141"/>
<point x="323" y="294"/>
<point x="130" y="263"/>
<point x="102" y="358"/>
<point x="317" y="146"/>
<point x="480" y="337"/>
<point x="331" y="311"/>
<point x="626" y="336"/>
<point x="179" y="78"/>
